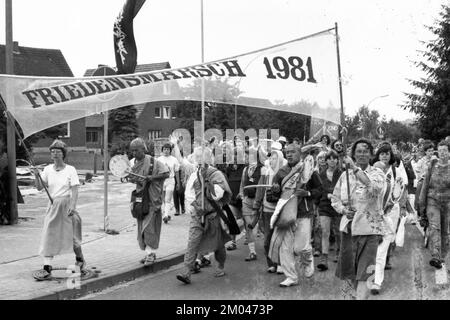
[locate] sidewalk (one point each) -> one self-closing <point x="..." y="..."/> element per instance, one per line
<point x="115" y="256"/>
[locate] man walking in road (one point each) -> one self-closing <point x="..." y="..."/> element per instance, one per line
<point x="205" y="232"/>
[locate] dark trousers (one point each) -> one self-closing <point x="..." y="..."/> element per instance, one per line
<point x="178" y="198"/>
<point x="265" y="220"/>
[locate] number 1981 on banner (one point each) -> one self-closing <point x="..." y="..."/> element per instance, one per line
<point x="292" y="67"/>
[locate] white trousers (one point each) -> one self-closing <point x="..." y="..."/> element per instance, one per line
<point x="382" y="252"/>
<point x="168" y="206"/>
<point x="296" y="242"/>
<point x="392" y="220"/>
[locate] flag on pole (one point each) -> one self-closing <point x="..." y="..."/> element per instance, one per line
<point x="124" y="42"/>
<point x="298" y="76"/>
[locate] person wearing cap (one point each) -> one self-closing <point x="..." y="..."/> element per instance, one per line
<point x="282" y="140"/>
<point x="170" y="183"/>
<point x="62" y="224"/>
<point x="155" y="172"/>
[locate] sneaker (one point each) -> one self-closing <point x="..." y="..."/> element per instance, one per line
<point x="204" y="262"/>
<point x="177" y="213"/>
<point x="43" y="274"/>
<point x="183" y="211"/>
<point x="375" y="289"/>
<point x="81" y="264"/>
<point x="323" y="264"/>
<point x="308" y="269"/>
<point x="251" y="257"/>
<point x="184" y="278"/>
<point x="197" y="268"/>
<point x="232" y="246"/>
<point x="149" y="259"/>
<point x="436" y="263"/>
<point x="219" y="273"/>
<point x="272" y="269"/>
<point x="279" y="270"/>
<point x="288" y="282"/>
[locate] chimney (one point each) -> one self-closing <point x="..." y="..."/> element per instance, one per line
<point x="16" y="46"/>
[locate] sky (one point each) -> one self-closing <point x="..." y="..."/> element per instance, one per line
<point x="379" y="39"/>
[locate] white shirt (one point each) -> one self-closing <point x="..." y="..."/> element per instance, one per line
<point x="60" y="182"/>
<point x="172" y="163"/>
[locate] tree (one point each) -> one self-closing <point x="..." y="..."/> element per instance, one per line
<point x="123" y="128"/>
<point x="53" y="133"/>
<point x="217" y="115"/>
<point x="368" y="121"/>
<point x="353" y="127"/>
<point x="432" y="105"/>
<point x="397" y="131"/>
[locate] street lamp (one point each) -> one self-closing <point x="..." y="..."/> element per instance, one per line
<point x="378" y="97"/>
<point x="367" y="106"/>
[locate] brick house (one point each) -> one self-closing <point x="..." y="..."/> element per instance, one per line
<point x="51" y="63"/>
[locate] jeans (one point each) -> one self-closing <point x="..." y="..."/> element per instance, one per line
<point x="328" y="224"/>
<point x="437" y="213"/>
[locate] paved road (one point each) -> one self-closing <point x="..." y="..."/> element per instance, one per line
<point x="410" y="279"/>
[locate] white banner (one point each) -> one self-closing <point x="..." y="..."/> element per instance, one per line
<point x="298" y="76"/>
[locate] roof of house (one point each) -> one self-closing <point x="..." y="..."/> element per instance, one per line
<point x="36" y="62"/>
<point x="250" y="101"/>
<point x="139" y="68"/>
<point x="98" y="121"/>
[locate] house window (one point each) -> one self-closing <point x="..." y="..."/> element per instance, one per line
<point x="154" y="134"/>
<point x="166" y="112"/>
<point x="157" y="112"/>
<point x="65" y="130"/>
<point x="92" y="137"/>
<point x="174" y="113"/>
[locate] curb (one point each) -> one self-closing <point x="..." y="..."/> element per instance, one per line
<point x="102" y="283"/>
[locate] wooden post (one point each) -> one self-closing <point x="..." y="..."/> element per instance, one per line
<point x="10" y="132"/>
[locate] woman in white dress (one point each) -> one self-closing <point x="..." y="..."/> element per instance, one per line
<point x="62" y="224"/>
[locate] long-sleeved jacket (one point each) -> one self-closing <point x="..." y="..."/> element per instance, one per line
<point x="436" y="185"/>
<point x="314" y="185"/>
<point x="366" y="200"/>
<point x="325" y="208"/>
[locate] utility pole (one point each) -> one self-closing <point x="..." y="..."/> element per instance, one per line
<point x="10" y="132"/>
